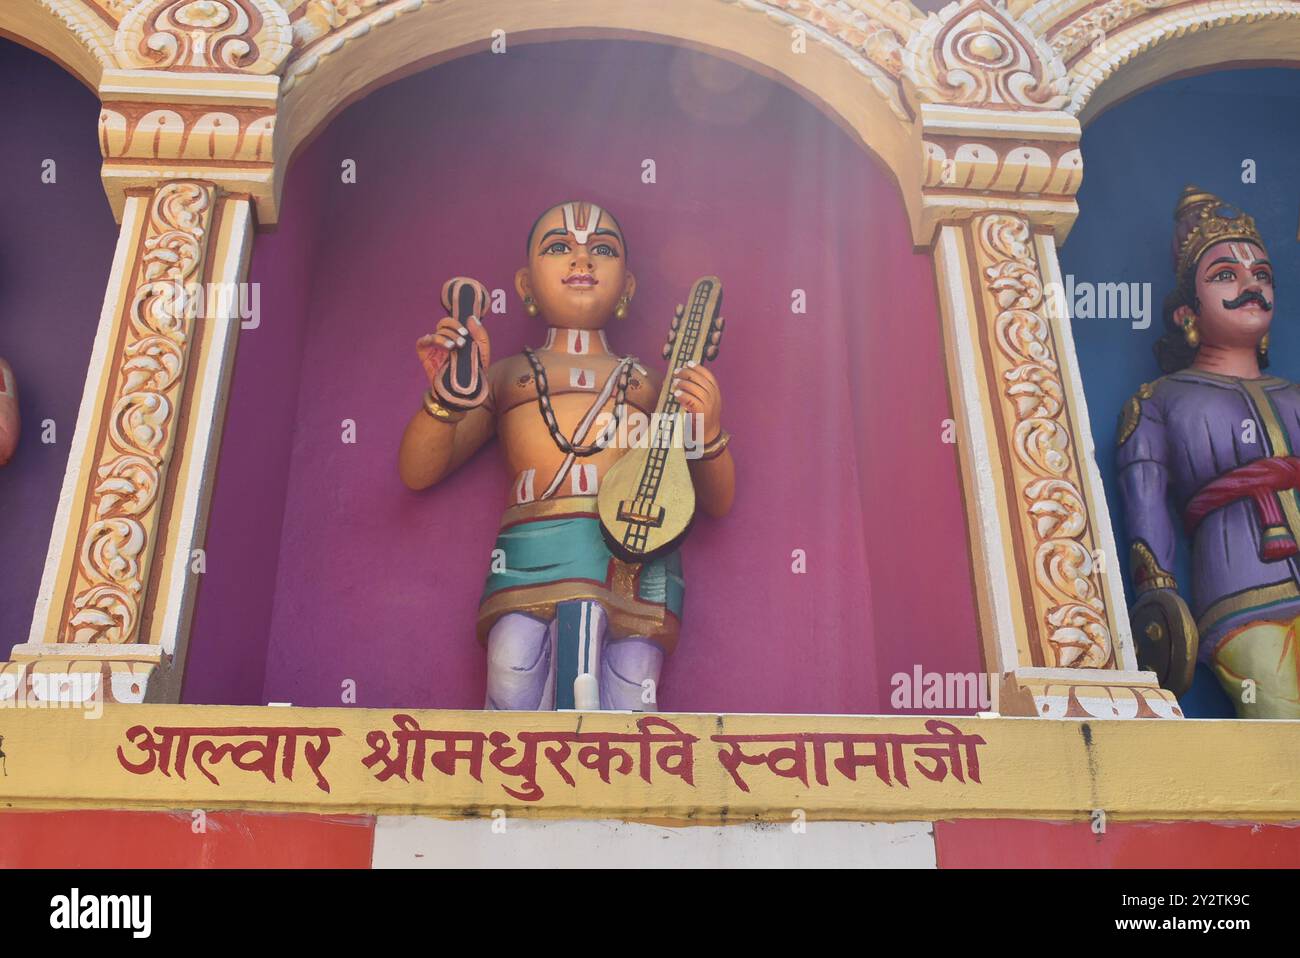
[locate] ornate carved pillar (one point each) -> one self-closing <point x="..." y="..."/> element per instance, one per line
<point x="117" y="592"/>
<point x="998" y="167"/>
<point x="187" y="133"/>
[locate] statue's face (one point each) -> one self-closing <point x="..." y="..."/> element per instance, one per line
<point x="577" y="267"/>
<point x="1234" y="291"/>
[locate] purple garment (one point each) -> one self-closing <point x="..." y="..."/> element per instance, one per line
<point x="1195" y="427"/>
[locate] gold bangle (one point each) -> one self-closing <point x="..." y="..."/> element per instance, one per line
<point x="714" y="449"/>
<point x="440" y="412"/>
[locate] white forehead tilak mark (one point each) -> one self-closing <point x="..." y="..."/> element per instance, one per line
<point x="1244" y="253"/>
<point x="581" y="227"/>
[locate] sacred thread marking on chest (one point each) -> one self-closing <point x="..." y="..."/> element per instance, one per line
<point x="616" y="383"/>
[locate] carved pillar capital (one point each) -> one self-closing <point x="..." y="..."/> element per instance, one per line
<point x="972" y="160"/>
<point x="158" y="125"/>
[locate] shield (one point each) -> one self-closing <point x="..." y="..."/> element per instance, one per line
<point x="1165" y="635"/>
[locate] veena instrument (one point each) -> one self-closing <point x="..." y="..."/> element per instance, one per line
<point x="647" y="500"/>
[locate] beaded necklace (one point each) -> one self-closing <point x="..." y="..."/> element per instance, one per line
<point x="624" y="374"/>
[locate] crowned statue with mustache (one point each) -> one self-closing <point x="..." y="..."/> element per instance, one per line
<point x="567" y="623"/>
<point x="1219" y="440"/>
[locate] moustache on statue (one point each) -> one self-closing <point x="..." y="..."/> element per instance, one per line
<point x="1249" y="296"/>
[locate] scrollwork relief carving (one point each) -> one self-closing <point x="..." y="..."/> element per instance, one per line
<point x="1066" y="582"/>
<point x="115" y="547"/>
<point x="210" y="36"/>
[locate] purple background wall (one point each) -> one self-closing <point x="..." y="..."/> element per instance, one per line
<point x="248" y="501"/>
<point x="56" y="247"/>
<point x="317" y="553"/>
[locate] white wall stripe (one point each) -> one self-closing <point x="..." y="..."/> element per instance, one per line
<point x="413" y="842"/>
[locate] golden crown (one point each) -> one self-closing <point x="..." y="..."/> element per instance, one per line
<point x="1210" y="224"/>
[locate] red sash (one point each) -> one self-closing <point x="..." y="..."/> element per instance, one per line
<point x="1261" y="481"/>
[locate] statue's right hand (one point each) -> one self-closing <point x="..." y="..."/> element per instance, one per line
<point x="435" y="348"/>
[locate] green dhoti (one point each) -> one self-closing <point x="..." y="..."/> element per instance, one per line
<point x="553" y="551"/>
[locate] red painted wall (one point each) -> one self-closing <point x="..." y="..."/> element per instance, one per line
<point x="1005" y="843"/>
<point x="120" y="839"/>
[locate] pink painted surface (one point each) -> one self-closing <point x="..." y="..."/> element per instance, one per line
<point x="836" y="413"/>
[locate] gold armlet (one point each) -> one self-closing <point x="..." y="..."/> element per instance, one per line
<point x="440" y="412"/>
<point x="714" y="449"/>
<point x="1132" y="414"/>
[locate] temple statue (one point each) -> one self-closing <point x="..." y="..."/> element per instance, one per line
<point x="1218" y="439"/>
<point x="9" y="421"/>
<point x="567" y="622"/>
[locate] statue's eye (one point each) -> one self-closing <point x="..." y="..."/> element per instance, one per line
<point x="1264" y="276"/>
<point x="1223" y="275"/>
<point x="559" y="246"/>
<point x="604" y="249"/>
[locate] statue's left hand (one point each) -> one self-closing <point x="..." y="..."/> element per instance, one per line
<point x="697" y="390"/>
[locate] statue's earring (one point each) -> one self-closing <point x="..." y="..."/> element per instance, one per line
<point x="1263" y="345"/>
<point x="529" y="306"/>
<point x="620" y="311"/>
<point x="1190" y="332"/>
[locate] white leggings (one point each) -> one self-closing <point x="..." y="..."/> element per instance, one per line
<point x="532" y="664"/>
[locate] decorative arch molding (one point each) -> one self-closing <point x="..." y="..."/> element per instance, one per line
<point x="851" y="67"/>
<point x="76" y="34"/>
<point x="1117" y="47"/>
<point x="875" y="67"/>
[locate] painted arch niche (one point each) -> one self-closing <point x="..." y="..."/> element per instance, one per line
<point x="323" y="569"/>
<point x="1223" y="131"/>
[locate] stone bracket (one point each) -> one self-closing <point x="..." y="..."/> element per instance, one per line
<point x="156" y="126"/>
<point x="1086" y="694"/>
<point x="975" y="160"/>
<point x="72" y="674"/>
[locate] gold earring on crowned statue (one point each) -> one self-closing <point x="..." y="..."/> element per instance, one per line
<point x="529" y="306"/>
<point x="620" y="311"/>
<point x="1190" y="333"/>
<point x="1263" y="345"/>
